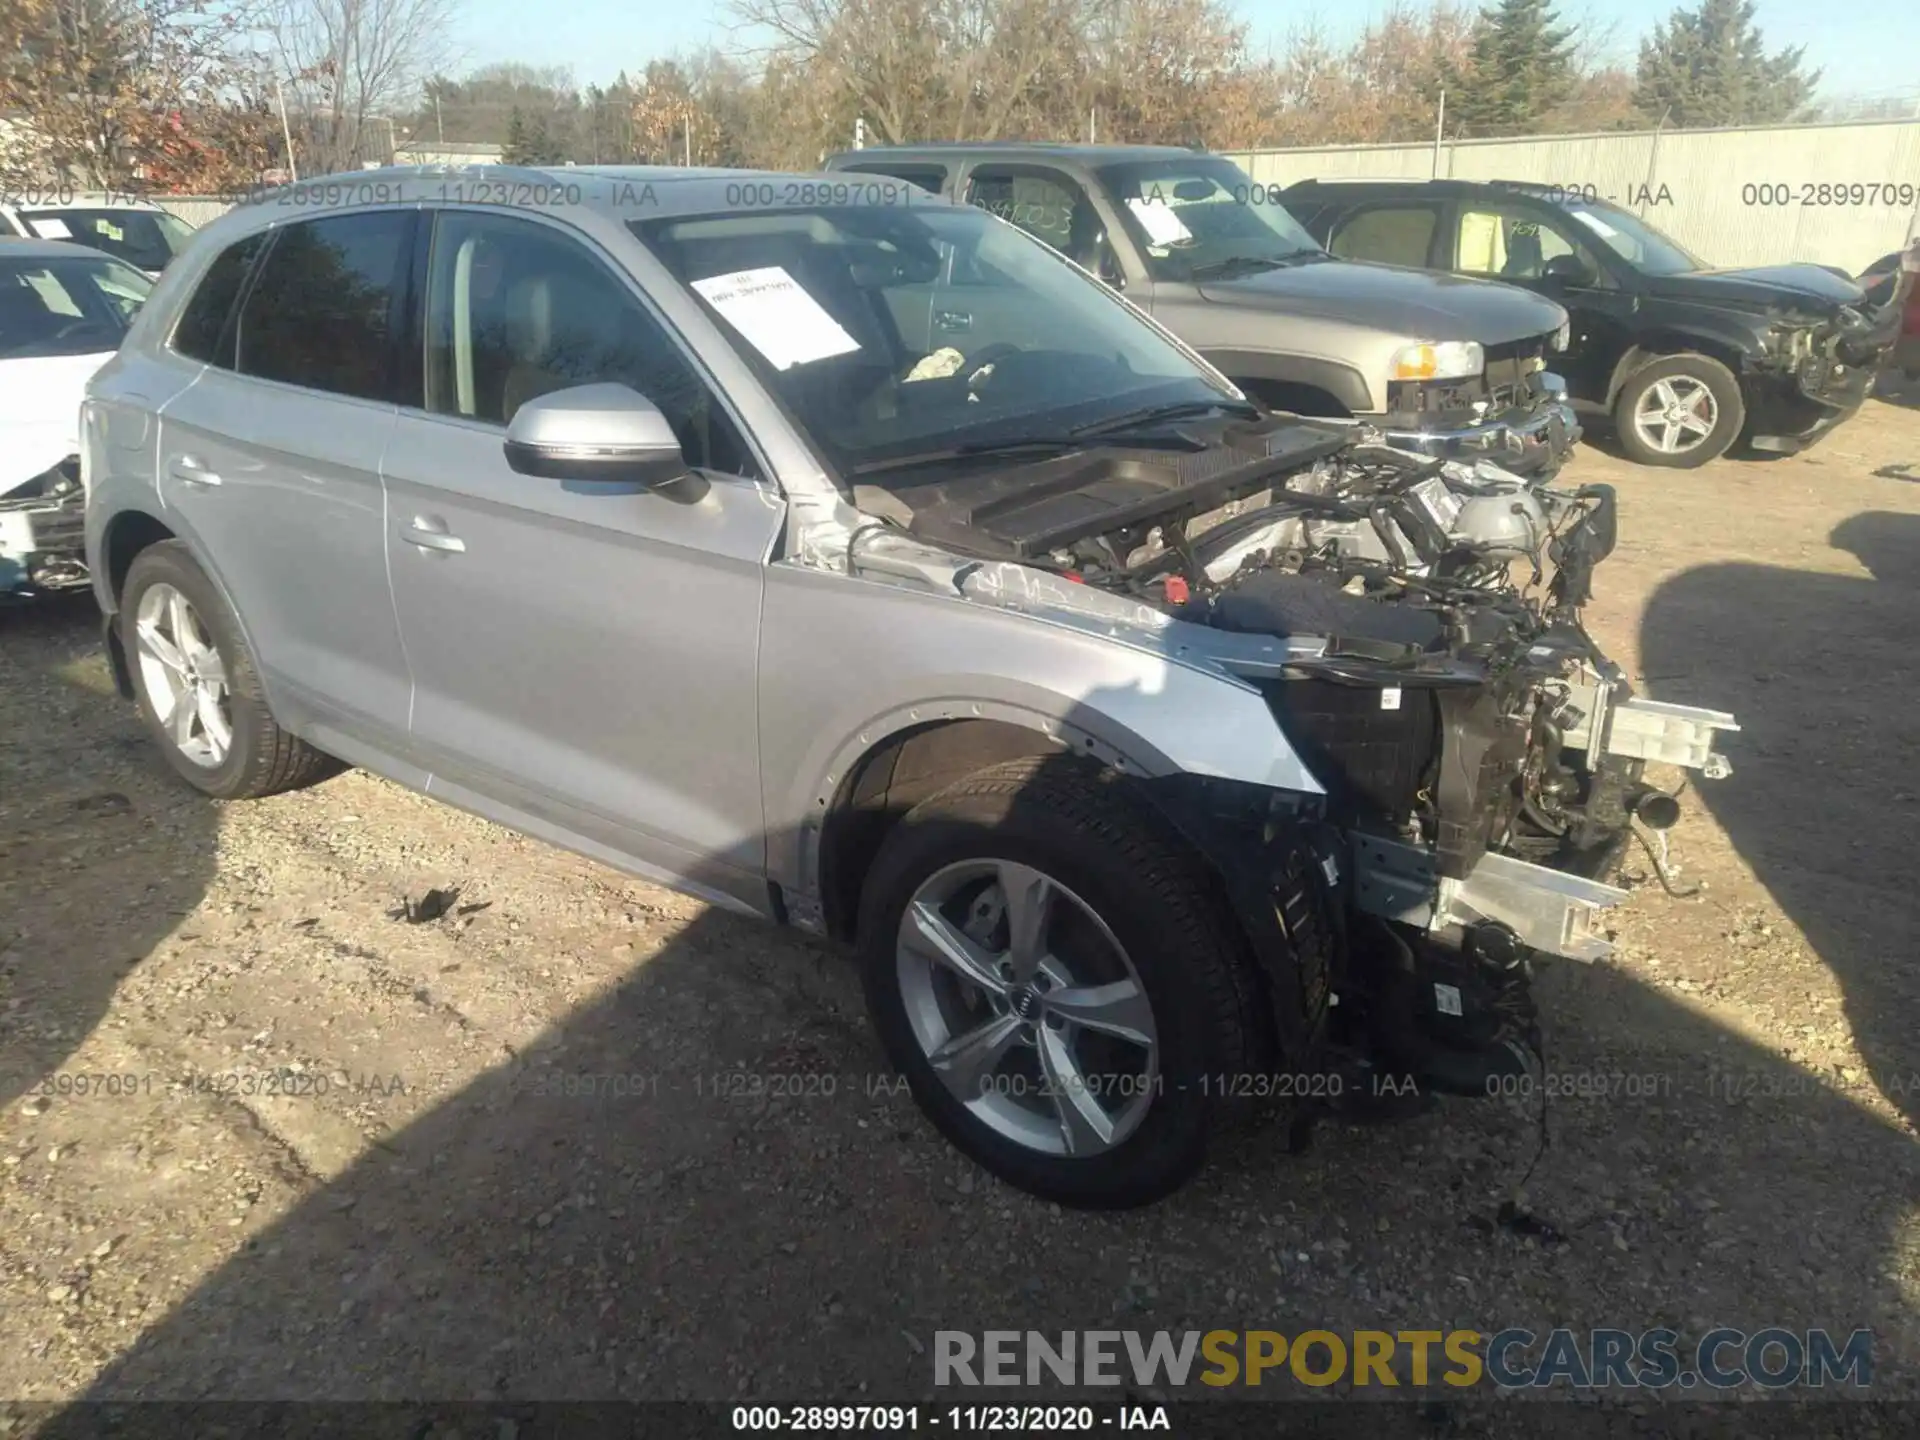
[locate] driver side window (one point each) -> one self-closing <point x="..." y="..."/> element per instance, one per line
<point x="1503" y="244"/>
<point x="516" y="310"/>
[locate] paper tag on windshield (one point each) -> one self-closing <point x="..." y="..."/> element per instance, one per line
<point x="1594" y="223"/>
<point x="51" y="229"/>
<point x="778" y="318"/>
<point x="1156" y="217"/>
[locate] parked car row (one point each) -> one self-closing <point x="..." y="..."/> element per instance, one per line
<point x="137" y="232"/>
<point x="1392" y="302"/>
<point x="1196" y="753"/>
<point x="63" y="312"/>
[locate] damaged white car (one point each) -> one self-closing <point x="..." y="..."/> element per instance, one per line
<point x="852" y="560"/>
<point x="63" y="311"/>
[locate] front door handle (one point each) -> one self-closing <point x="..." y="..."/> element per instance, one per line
<point x="952" y="320"/>
<point x="192" y="472"/>
<point x="429" y="532"/>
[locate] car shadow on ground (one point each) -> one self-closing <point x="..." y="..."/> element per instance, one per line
<point x="536" y="1238"/>
<point x="1895" y="387"/>
<point x="100" y="845"/>
<point x="1826" y="805"/>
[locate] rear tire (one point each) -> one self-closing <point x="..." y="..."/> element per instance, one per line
<point x="198" y="688"/>
<point x="1662" y="426"/>
<point x="1114" y="880"/>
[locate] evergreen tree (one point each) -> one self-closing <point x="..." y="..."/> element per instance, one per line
<point x="1710" y="66"/>
<point x="531" y="141"/>
<point x="514" y="151"/>
<point x="1520" y="66"/>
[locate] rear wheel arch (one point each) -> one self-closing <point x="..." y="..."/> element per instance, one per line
<point x="126" y="535"/>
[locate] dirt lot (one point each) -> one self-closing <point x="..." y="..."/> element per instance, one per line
<point x="431" y="1215"/>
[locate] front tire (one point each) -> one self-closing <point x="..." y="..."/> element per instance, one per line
<point x="1679" y="412"/>
<point x="198" y="688"/>
<point x="1050" y="970"/>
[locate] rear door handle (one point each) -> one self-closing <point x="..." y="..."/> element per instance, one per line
<point x="952" y="320"/>
<point x="186" y="468"/>
<point x="429" y="532"/>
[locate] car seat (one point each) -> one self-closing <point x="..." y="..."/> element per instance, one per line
<point x="1525" y="258"/>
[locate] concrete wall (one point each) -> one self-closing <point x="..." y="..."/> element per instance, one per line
<point x="1710" y="203"/>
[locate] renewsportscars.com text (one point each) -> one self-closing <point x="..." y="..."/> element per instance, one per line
<point x="1721" y="1359"/>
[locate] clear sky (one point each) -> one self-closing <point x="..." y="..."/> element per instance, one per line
<point x="1865" y="46"/>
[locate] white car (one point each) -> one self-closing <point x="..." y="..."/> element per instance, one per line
<point x="136" y="231"/>
<point x="63" y="312"/>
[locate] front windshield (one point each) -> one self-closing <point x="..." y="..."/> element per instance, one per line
<point x="1198" y="217"/>
<point x="77" y="306"/>
<point x="147" y="239"/>
<point x="890" y="331"/>
<point x="1632" y="239"/>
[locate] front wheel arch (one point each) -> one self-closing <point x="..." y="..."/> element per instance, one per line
<point x="893" y="766"/>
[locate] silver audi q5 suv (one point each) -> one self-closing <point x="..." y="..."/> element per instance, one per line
<point x="848" y="558"/>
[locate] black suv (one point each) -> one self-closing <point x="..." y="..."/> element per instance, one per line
<point x="1687" y="359"/>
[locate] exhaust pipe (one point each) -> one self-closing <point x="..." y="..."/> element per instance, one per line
<point x="1655" y="809"/>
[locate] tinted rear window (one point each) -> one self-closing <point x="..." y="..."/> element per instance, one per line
<point x="321" y="314"/>
<point x="203" y="332"/>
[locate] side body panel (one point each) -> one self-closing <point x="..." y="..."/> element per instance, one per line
<point x="587" y="658"/>
<point x="281" y="489"/>
<point x="847" y="662"/>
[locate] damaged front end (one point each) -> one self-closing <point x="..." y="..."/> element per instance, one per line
<point x="1816" y="369"/>
<point x="42" y="540"/>
<point x="1414" y="627"/>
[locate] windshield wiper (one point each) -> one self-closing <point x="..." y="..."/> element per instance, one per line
<point x="1019" y="445"/>
<point x="1152" y="414"/>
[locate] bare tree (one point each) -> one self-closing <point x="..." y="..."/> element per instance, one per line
<point x="922" y="69"/>
<point x="347" y="66"/>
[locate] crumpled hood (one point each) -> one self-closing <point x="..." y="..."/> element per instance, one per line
<point x="1805" y="287"/>
<point x="1415" y="303"/>
<point x="40" y="413"/>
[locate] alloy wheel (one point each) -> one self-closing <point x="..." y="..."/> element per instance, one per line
<point x="1027" y="1008"/>
<point x="1676" y="415"/>
<point x="183" y="676"/>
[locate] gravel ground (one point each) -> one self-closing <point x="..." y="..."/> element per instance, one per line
<point x="431" y="1214"/>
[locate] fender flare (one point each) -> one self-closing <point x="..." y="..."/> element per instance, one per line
<point x="1730" y="350"/>
<point x="1343" y="382"/>
<point x="183" y="535"/>
<point x="798" y="871"/>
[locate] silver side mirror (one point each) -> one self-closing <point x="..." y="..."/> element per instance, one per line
<point x="605" y="432"/>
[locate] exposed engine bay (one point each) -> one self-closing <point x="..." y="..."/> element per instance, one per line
<point x="1482" y="759"/>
